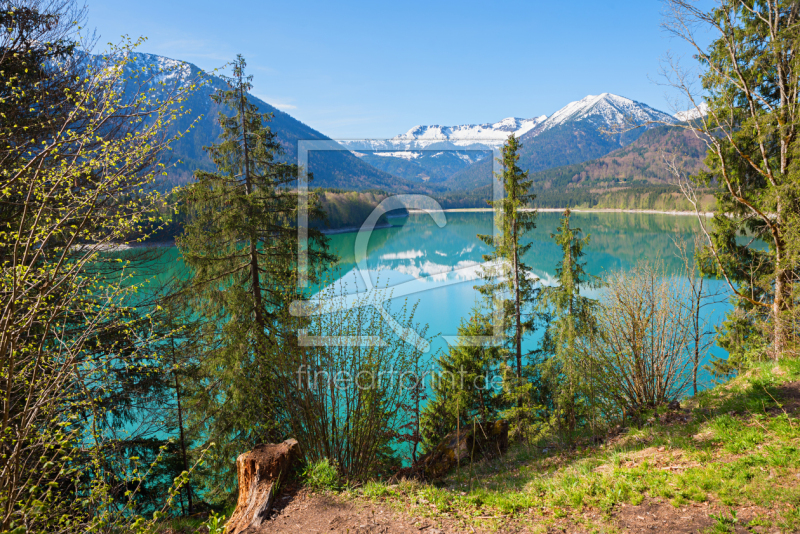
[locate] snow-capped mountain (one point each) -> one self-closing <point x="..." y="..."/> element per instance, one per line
<point x="434" y="153"/>
<point x="695" y="113"/>
<point x="155" y="69"/>
<point x="161" y="75"/>
<point x="606" y="110"/>
<point x="457" y="157"/>
<point x="581" y="130"/>
<point x="471" y="136"/>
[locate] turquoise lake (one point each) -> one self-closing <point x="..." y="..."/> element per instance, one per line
<point x="437" y="268"/>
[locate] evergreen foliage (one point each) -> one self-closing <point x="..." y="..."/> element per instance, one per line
<point x="240" y="242"/>
<point x="465" y="386"/>
<point x="506" y="271"/>
<point x="572" y="317"/>
<point x="750" y="74"/>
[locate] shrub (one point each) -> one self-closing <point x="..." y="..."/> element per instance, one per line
<point x="347" y="396"/>
<point x="639" y="355"/>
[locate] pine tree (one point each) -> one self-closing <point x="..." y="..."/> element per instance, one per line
<point x="239" y="242"/>
<point x="463" y="389"/>
<point x="506" y="270"/>
<point x="572" y="317"/>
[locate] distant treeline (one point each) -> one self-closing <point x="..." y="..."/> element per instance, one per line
<point x="341" y="208"/>
<point x="347" y="209"/>
<point x="637" y="196"/>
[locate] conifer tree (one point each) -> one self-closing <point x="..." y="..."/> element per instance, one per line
<point x="240" y="242"/>
<point x="506" y="271"/>
<point x="572" y="317"/>
<point x="463" y="389"/>
<point x="749" y="75"/>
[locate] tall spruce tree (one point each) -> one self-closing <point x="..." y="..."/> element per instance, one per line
<point x="506" y="271"/>
<point x="240" y="242"/>
<point x="572" y="316"/>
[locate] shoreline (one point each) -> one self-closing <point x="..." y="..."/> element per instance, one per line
<point x="413" y="211"/>
<point x="348" y="229"/>
<point x="118" y="247"/>
<point x="575" y="210"/>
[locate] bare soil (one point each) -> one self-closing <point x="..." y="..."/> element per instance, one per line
<point x="306" y="512"/>
<point x="300" y="511"/>
<point x="663" y="517"/>
<point x="789" y="395"/>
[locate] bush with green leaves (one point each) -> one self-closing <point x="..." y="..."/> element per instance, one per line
<point x="82" y="140"/>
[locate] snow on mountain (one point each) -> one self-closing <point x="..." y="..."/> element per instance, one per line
<point x="471" y="142"/>
<point x="469" y="134"/>
<point x="156" y="69"/>
<point x="611" y="110"/>
<point x="694" y="113"/>
<point x="606" y="110"/>
<point x="402" y="155"/>
<point x="480" y="136"/>
<point x="139" y="68"/>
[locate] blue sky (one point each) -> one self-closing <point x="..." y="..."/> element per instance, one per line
<point x="373" y="69"/>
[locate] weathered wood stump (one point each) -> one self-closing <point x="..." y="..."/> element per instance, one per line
<point x="486" y="440"/>
<point x="260" y="472"/>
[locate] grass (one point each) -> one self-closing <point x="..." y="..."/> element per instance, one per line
<point x="740" y="447"/>
<point x="214" y="523"/>
<point x="182" y="525"/>
<point x="321" y="475"/>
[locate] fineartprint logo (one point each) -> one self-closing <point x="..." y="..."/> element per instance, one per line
<point x="373" y="296"/>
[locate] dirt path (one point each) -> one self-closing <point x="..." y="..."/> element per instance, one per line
<point x="312" y="513"/>
<point x="304" y="512"/>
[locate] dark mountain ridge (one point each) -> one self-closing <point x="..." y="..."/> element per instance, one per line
<point x="334" y="169"/>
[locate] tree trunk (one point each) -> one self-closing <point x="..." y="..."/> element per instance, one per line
<point x="255" y="279"/>
<point x="261" y="472"/>
<point x="782" y="287"/>
<point x="180" y="426"/>
<point x="517" y="304"/>
<point x="697" y="335"/>
<point x="778" y="309"/>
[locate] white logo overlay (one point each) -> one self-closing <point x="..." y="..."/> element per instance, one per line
<point x="309" y="308"/>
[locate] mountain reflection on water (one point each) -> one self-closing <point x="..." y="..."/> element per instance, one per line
<point x="439" y="267"/>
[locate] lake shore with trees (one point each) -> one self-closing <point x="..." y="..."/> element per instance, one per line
<point x="212" y="385"/>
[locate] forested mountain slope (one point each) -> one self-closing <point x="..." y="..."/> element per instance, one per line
<point x="634" y="176"/>
<point x="339" y="169"/>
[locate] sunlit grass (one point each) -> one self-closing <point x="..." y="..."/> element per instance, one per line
<point x="740" y="448"/>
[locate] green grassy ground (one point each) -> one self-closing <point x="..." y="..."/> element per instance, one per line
<point x="731" y="448"/>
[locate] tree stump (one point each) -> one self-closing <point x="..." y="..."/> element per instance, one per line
<point x="260" y="472"/>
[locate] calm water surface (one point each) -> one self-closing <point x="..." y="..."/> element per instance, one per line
<point x="437" y="268"/>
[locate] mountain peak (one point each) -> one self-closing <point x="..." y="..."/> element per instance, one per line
<point x="694" y="113"/>
<point x="608" y="109"/>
